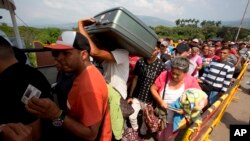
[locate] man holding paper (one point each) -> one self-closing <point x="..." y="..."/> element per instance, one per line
<point x="15" y="77"/>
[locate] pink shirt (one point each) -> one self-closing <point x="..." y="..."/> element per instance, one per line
<point x="197" y="59"/>
<point x="189" y="81"/>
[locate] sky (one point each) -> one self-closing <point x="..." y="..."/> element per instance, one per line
<point x="52" y="12"/>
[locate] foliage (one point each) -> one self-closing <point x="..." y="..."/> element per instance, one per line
<point x="205" y="23"/>
<point x="163" y="30"/>
<point x="187" y="22"/>
<point x="30" y="34"/>
<point x="228" y="33"/>
<point x="210" y="31"/>
<point x="49" y="35"/>
<point x="185" y="29"/>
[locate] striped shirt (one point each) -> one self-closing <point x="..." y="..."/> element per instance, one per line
<point x="219" y="75"/>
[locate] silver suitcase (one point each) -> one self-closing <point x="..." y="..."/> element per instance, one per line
<point x="119" y="28"/>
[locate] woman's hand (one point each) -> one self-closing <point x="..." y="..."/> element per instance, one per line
<point x="163" y="105"/>
<point x="181" y="112"/>
<point x="199" y="81"/>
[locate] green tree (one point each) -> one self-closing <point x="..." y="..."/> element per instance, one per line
<point x="218" y="23"/>
<point x="177" y="22"/>
<point x="196" y="23"/>
<point x="227" y="33"/>
<point x="203" y="23"/>
<point x="210" y="31"/>
<point x="163" y="31"/>
<point x="49" y="35"/>
<point x="182" y="22"/>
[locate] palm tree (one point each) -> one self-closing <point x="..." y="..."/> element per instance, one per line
<point x="189" y="22"/>
<point x="193" y="21"/>
<point x="213" y="23"/>
<point x="203" y="23"/>
<point x="177" y="22"/>
<point x="182" y="22"/>
<point x="186" y="21"/>
<point x="218" y="23"/>
<point x="196" y="23"/>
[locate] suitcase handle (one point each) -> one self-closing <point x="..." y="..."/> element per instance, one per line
<point x="99" y="22"/>
<point x="104" y="22"/>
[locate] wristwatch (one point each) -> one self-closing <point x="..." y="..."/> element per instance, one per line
<point x="59" y="121"/>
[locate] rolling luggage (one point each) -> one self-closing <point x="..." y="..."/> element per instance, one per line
<point x="118" y="28"/>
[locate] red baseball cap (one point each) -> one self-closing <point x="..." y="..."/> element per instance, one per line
<point x="70" y="40"/>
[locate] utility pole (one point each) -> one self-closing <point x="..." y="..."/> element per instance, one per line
<point x="236" y="38"/>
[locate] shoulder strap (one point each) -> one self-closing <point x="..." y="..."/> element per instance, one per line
<point x="218" y="73"/>
<point x="165" y="85"/>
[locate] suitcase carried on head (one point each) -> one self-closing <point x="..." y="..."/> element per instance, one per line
<point x="119" y="28"/>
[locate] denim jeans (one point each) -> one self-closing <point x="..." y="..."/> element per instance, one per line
<point x="212" y="97"/>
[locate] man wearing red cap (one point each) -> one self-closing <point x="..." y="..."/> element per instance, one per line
<point x="87" y="116"/>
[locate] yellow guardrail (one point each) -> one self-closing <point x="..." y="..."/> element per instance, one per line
<point x="200" y="130"/>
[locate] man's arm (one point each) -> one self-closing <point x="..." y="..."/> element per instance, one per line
<point x="45" y="108"/>
<point x="136" y="73"/>
<point x="36" y="129"/>
<point x="87" y="133"/>
<point x="94" y="51"/>
<point x="228" y="78"/>
<point x="238" y="60"/>
<point x="157" y="96"/>
<point x="134" y="83"/>
<point x="204" y="75"/>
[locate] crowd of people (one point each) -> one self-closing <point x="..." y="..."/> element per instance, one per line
<point x="85" y="103"/>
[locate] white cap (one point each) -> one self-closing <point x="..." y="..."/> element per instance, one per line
<point x="196" y="40"/>
<point x="164" y="43"/>
<point x="232" y="43"/>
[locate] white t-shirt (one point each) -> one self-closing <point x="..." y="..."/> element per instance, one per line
<point x="170" y="97"/>
<point x="192" y="67"/>
<point x="116" y="74"/>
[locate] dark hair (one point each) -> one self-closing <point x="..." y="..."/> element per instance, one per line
<point x="81" y="42"/>
<point x="165" y="57"/>
<point x="4" y="42"/>
<point x="167" y="39"/>
<point x="20" y="55"/>
<point x="182" y="47"/>
<point x="6" y="51"/>
<point x="158" y="44"/>
<point x="180" y="63"/>
<point x="226" y="48"/>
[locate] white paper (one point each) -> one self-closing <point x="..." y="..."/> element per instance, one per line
<point x="30" y="92"/>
